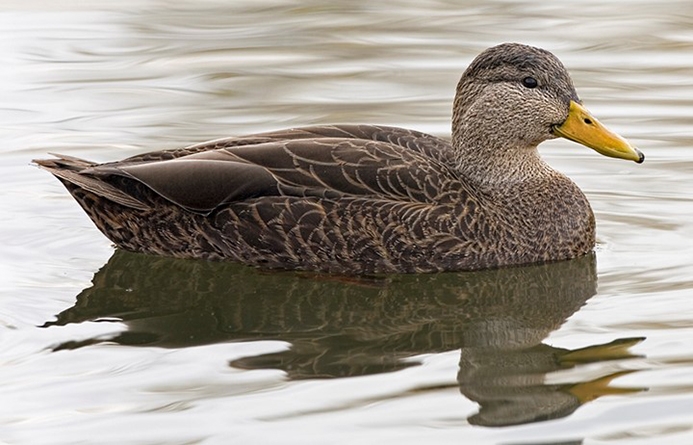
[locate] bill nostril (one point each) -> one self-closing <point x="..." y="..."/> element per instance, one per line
<point x="588" y="121"/>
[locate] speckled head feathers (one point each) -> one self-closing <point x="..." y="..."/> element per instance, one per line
<point x="495" y="111"/>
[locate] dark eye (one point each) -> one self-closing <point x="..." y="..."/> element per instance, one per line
<point x="530" y="82"/>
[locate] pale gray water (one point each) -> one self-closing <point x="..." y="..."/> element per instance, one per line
<point x="143" y="354"/>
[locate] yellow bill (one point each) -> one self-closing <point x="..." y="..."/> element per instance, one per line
<point x="584" y="129"/>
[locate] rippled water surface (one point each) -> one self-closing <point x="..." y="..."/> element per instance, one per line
<point x="102" y="346"/>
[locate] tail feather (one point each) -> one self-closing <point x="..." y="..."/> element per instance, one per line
<point x="68" y="168"/>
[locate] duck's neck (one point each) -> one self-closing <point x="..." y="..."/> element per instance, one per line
<point x="490" y="164"/>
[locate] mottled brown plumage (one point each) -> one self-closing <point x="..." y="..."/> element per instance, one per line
<point x="364" y="198"/>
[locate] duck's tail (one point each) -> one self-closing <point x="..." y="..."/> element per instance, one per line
<point x="70" y="171"/>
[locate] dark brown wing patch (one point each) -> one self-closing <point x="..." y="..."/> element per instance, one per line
<point x="201" y="185"/>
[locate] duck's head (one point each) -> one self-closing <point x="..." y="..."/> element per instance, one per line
<point x="516" y="96"/>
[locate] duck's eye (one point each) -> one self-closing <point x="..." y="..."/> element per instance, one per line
<point x="530" y="82"/>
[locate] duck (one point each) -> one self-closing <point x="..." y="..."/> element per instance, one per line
<point x="361" y="199"/>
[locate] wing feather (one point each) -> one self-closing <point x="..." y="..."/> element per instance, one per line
<point x="327" y="162"/>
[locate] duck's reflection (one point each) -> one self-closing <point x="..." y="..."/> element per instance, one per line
<point x="340" y="327"/>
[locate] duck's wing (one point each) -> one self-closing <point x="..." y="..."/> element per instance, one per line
<point x="323" y="167"/>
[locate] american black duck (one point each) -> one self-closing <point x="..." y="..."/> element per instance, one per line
<point x="366" y="198"/>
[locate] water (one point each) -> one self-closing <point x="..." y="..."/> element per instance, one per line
<point x="100" y="346"/>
